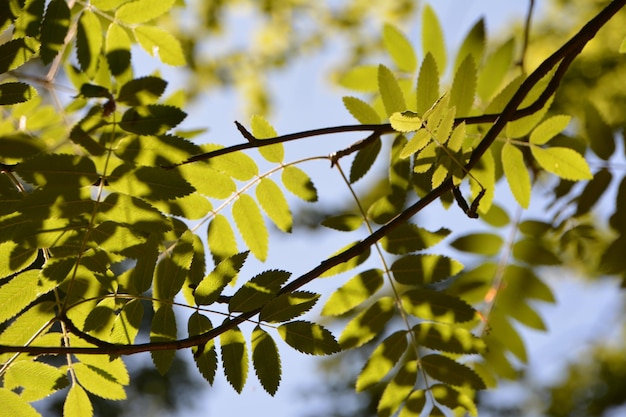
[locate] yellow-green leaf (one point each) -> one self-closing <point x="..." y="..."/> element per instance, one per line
<point x="262" y="129"/>
<point x="358" y="289"/>
<point x="364" y="159"/>
<point x="367" y="324"/>
<point x="221" y="239"/>
<point x="361" y="78"/>
<point x="141" y="11"/>
<point x="98" y="382"/>
<point x="453" y="399"/>
<point x="251" y="226"/>
<point x="210" y="288"/>
<point x="16" y="53"/>
<point x="206" y="361"/>
<point x="88" y="42"/>
<point x="495" y="69"/>
<point x="274" y="204"/>
<point x="298" y="182"/>
<point x="424" y="269"/>
<point x="437" y="306"/>
<point x="349" y="264"/>
<point x="34" y="380"/>
<point x="548" y="129"/>
<point x="487" y="244"/>
<point x="20" y="291"/>
<point x="382" y="360"/>
<point x="288" y="306"/>
<point x="390" y="92"/>
<point x="409" y="238"/>
<point x="446" y="338"/>
<point x="432" y="37"/>
<point x="406" y="121"/>
<point x="234" y="357"/>
<point x="451" y="372"/>
<point x="399" y="48"/>
<point x="473" y="44"/>
<point x="77" y="403"/>
<point x="117" y="51"/>
<point x="266" y="360"/>
<point x="163" y="329"/>
<point x="157" y="41"/>
<point x="54" y="28"/>
<point x="398" y="389"/>
<point x="344" y="222"/>
<point x="464" y="87"/>
<point x="13" y="405"/>
<point x="361" y="111"/>
<point x="427" y="84"/>
<point x="516" y="174"/>
<point x="564" y="162"/>
<point x="258" y="291"/>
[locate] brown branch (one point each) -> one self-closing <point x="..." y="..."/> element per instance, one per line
<point x="563" y="57"/>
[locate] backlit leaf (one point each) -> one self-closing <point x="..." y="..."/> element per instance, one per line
<point x="390" y="91"/>
<point x="407" y="121"/>
<point x="437" y="306"/>
<point x="599" y="133"/>
<point x="141" y="91"/>
<point x="398" y="389"/>
<point x="361" y="111"/>
<point x="564" y="162"/>
<point x="221" y="238"/>
<point x="408" y="238"/>
<point x="54" y="29"/>
<point x="414" y="404"/>
<point x="480" y="243"/>
<point x="343" y="222"/>
<point x="432" y="37"/>
<point x="206" y="361"/>
<point x="262" y="129"/>
<point x="424" y="269"/>
<point x="153" y="119"/>
<point x="13" y="93"/>
<point x="382" y="360"/>
<point x="358" y="289"/>
<point x="533" y="251"/>
<point x="548" y="129"/>
<point x="211" y="286"/>
<point x="251" y="226"/>
<point x="299" y="183"/>
<point x="98" y="382"/>
<point x="127" y="323"/>
<point x="364" y="159"/>
<point x="495" y="69"/>
<point x="447" y="338"/>
<point x="34" y="380"/>
<point x="473" y="45"/>
<point x="234" y="357"/>
<point x="309" y="338"/>
<point x="17" y="52"/>
<point x="258" y="291"/>
<point x="274" y="204"/>
<point x="288" y="306"/>
<point x="20" y="291"/>
<point x="367" y="324"/>
<point x="117" y="52"/>
<point x="427" y="84"/>
<point x="88" y="42"/>
<point x="157" y="41"/>
<point x="13" y="405"/>
<point x="464" y="87"/>
<point x="451" y="372"/>
<point x="453" y="399"/>
<point x="516" y="174"/>
<point x="77" y="403"/>
<point x="47" y="169"/>
<point x="163" y="329"/>
<point x="151" y="183"/>
<point x="399" y="48"/>
<point x="141" y="11"/>
<point x="266" y="360"/>
<point x="349" y="264"/>
<point x="28" y="20"/>
<point x="361" y="78"/>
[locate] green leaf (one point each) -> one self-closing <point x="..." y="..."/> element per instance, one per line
<point x="77" y="403"/>
<point x="98" y="382"/>
<point x="141" y="91"/>
<point x="421" y="138"/>
<point x="367" y="324"/>
<point x="221" y="239"/>
<point x="88" y="42"/>
<point x="437" y="306"/>
<point x="34" y="380"/>
<point x="117" y="51"/>
<point x="27" y="324"/>
<point x="28" y="19"/>
<point x="464" y="87"/>
<point x="207" y="181"/>
<point x="487" y="244"/>
<point x="407" y="121"/>
<point x="516" y="174"/>
<point x="153" y="119"/>
<point x="127" y="323"/>
<point x="599" y="133"/>
<point x="473" y="45"/>
<point x="251" y="226"/>
<point x="274" y="204"/>
<point x="361" y="111"/>
<point x="234" y="357"/>
<point x="163" y="329"/>
<point x="54" y="28"/>
<point x="61" y="169"/>
<point x="309" y="338"/>
<point x="14" y="258"/>
<point x="122" y="208"/>
<point x="533" y="251"/>
<point x="266" y="360"/>
<point x="398" y="389"/>
<point x="522" y="127"/>
<point x="17" y="52"/>
<point x="494" y="70"/>
<point x="13" y="93"/>
<point x="451" y="372"/>
<point x="151" y="183"/>
<point x="206" y="361"/>
<point x="408" y="238"/>
<point x="361" y="78"/>
<point x="382" y="360"/>
<point x="447" y="338"/>
<point x="390" y="91"/>
<point x="364" y="159"/>
<point x="427" y="84"/>
<point x="157" y="41"/>
<point x="298" y="182"/>
<point x="237" y="165"/>
<point x="17" y="147"/>
<point x="432" y="37"/>
<point x="210" y="288"/>
<point x="453" y="399"/>
<point x="288" y="306"/>
<point x="258" y="291"/>
<point x="13" y="405"/>
<point x="262" y="129"/>
<point x="424" y="269"/>
<point x="414" y="404"/>
<point x="349" y="264"/>
<point x="564" y="162"/>
<point x="169" y="278"/>
<point x="399" y="48"/>
<point x="354" y="292"/>
<point x="593" y="191"/>
<point x="548" y="129"/>
<point x="343" y="222"/>
<point x="141" y="11"/>
<point x="20" y="291"/>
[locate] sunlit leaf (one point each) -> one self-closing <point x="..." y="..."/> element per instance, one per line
<point x="432" y="37"/>
<point x="473" y="45"/>
<point x="309" y="338"/>
<point x="343" y="222"/>
<point x="464" y="86"/>
<point x="152" y="119"/>
<point x="398" y="389"/>
<point x="151" y="183"/>
<point x="407" y="121"/>
<point x="399" y="48"/>
<point x="349" y="264"/>
<point x="16" y="53"/>
<point x="141" y="91"/>
<point x="258" y="291"/>
<point x="451" y="372"/>
<point x="424" y="269"/>
<point x="414" y="404"/>
<point x="251" y="226"/>
<point x="117" y="51"/>
<point x="46" y="169"/>
<point x="367" y="324"/>
<point x="77" y="403"/>
<point x="427" y="84"/>
<point x="408" y="238"/>
<point x="127" y="323"/>
<point x="157" y="41"/>
<point x="163" y="329"/>
<point x="234" y="357"/>
<point x="14" y="405"/>
<point x="274" y="204"/>
<point x="262" y="129"/>
<point x="480" y="243"/>
<point x="28" y="20"/>
<point x="390" y="91"/>
<point x="98" y="382"/>
<point x="447" y="338"/>
<point x="564" y="162"/>
<point x="211" y="286"/>
<point x="496" y="66"/>
<point x="13" y="93"/>
<point x="88" y="42"/>
<point x="34" y="380"/>
<point x="266" y="360"/>
<point x="548" y="129"/>
<point x="382" y="360"/>
<point x="206" y="360"/>
<point x="361" y="78"/>
<point x="20" y="291"/>
<point x="434" y="305"/>
<point x="141" y="11"/>
<point x="361" y="111"/>
<point x="299" y="183"/>
<point x="451" y="398"/>
<point x="288" y="306"/>
<point x="516" y="173"/>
